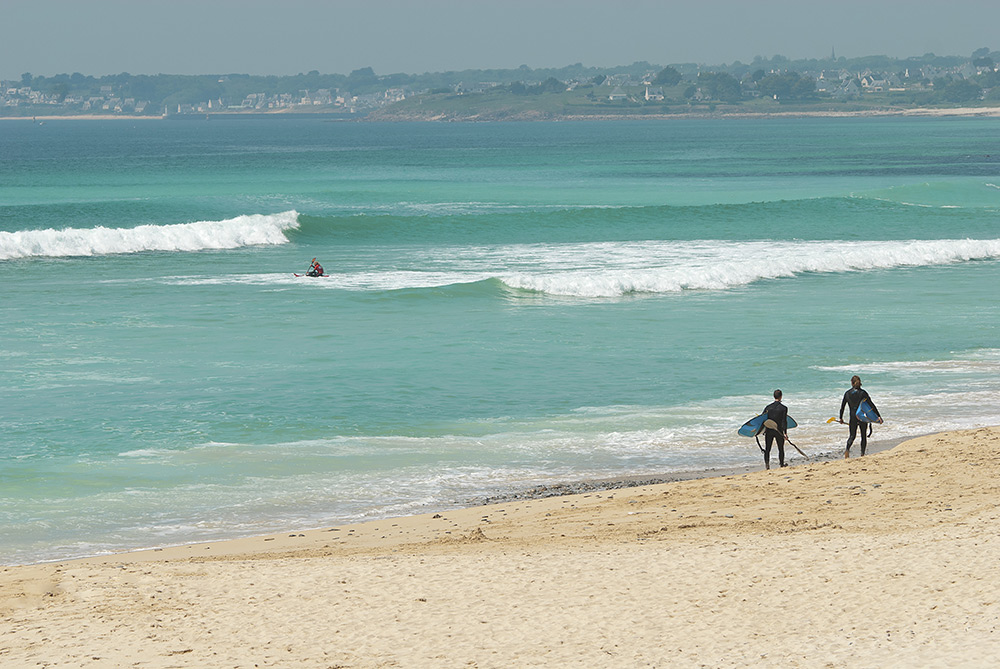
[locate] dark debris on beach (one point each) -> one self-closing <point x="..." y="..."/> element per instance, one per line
<point x="589" y="486"/>
<point x="579" y="487"/>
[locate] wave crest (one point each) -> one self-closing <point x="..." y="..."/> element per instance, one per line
<point x="250" y="230"/>
<point x="661" y="267"/>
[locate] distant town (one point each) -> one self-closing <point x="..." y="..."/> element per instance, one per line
<point x="641" y="89"/>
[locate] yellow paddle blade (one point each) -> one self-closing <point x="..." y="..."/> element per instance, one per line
<point x="832" y="419"/>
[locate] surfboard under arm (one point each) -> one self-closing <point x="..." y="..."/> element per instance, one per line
<point x="866" y="413"/>
<point x="755" y="425"/>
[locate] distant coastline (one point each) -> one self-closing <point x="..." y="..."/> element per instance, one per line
<point x="864" y="113"/>
<point x="965" y="112"/>
<point x="863" y="86"/>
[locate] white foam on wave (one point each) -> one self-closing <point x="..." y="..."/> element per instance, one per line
<point x="250" y="230"/>
<point x="612" y="270"/>
<point x="340" y="280"/>
<point x="985" y="362"/>
<point x="615" y="269"/>
<point x="317" y="483"/>
<point x="146" y="453"/>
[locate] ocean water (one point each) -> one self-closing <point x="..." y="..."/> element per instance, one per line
<point x="507" y="305"/>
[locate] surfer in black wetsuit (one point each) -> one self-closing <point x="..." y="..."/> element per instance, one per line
<point x="777" y="412"/>
<point x="853" y="398"/>
<point x="315" y="269"/>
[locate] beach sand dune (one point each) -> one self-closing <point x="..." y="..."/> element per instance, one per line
<point x="888" y="560"/>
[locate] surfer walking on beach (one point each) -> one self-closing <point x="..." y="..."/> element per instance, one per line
<point x="777" y="415"/>
<point x="853" y="399"/>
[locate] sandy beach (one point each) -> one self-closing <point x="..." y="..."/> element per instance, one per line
<point x="887" y="560"/>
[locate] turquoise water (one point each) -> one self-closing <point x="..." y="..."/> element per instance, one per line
<point x="508" y="304"/>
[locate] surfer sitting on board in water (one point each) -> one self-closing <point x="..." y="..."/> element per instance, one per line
<point x="777" y="412"/>
<point x="853" y="398"/>
<point x="315" y="269"/>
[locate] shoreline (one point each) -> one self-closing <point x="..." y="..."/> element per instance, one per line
<point x="559" y="489"/>
<point x="581" y="486"/>
<point x="886" y="559"/>
<point x="922" y="112"/>
<point x="515" y="494"/>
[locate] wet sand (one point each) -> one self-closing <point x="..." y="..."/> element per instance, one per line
<point x="886" y="560"/>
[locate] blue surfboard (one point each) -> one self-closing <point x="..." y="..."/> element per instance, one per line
<point x="755" y="425"/>
<point x="866" y="414"/>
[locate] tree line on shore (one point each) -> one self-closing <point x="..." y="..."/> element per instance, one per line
<point x="776" y="78"/>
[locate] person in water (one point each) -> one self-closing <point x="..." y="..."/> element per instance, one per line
<point x="777" y="412"/>
<point x="853" y="399"/>
<point x="315" y="269"/>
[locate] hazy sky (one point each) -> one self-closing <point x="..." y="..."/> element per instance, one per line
<point x="47" y="37"/>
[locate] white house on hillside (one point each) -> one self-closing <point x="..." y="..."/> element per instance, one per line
<point x="618" y="94"/>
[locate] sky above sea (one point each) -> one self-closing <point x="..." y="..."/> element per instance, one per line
<point x="267" y="37"/>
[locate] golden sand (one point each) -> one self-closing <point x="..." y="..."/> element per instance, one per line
<point x="888" y="560"/>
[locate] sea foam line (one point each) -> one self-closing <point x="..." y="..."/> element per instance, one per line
<point x="614" y="269"/>
<point x="665" y="267"/>
<point x="249" y="230"/>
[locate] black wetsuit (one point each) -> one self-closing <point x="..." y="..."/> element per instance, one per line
<point x="853" y="398"/>
<point x="777" y="412"/>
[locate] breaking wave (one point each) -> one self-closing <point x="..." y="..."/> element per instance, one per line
<point x="616" y="269"/>
<point x="250" y="230"/>
<point x="612" y="270"/>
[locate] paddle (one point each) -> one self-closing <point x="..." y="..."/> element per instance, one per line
<point x="774" y="426"/>
<point x="787" y="441"/>
<point x="796" y="447"/>
<point x="830" y="420"/>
